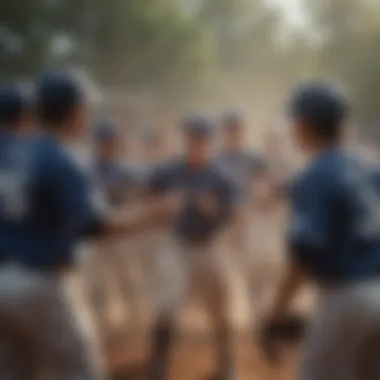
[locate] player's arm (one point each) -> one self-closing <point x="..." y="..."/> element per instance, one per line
<point x="72" y="197"/>
<point x="138" y="218"/>
<point x="158" y="207"/>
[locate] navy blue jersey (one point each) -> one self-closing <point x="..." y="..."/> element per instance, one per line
<point x="44" y="202"/>
<point x="196" y="185"/>
<point x="335" y="230"/>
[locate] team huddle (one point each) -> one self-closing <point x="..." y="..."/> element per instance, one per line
<point x="197" y="207"/>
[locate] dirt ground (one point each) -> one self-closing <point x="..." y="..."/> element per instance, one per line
<point x="193" y="359"/>
<point x="193" y="356"/>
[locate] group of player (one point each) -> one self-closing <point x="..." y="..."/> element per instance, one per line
<point x="49" y="203"/>
<point x="52" y="197"/>
<point x="213" y="186"/>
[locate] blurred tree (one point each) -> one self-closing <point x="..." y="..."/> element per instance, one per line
<point x="231" y="50"/>
<point x="147" y="42"/>
<point x="144" y="42"/>
<point x="252" y="61"/>
<point x="25" y="30"/>
<point x="350" y="31"/>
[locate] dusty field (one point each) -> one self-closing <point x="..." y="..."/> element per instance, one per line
<point x="193" y="354"/>
<point x="193" y="357"/>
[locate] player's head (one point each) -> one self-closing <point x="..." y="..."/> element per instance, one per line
<point x="318" y="112"/>
<point x="15" y="107"/>
<point x="61" y="104"/>
<point x="233" y="130"/>
<point x="106" y="138"/>
<point x="198" y="132"/>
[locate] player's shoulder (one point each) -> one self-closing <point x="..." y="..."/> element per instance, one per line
<point x="53" y="156"/>
<point x="327" y="172"/>
<point x="20" y="152"/>
<point x="49" y="149"/>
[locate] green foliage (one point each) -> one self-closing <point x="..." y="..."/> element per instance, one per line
<point x="149" y="42"/>
<point x="226" y="50"/>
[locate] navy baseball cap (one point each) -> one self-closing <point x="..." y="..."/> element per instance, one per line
<point x="321" y="105"/>
<point x="13" y="102"/>
<point x="57" y="95"/>
<point x="105" y="131"/>
<point x="197" y="125"/>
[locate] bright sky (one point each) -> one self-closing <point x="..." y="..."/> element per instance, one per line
<point x="293" y="10"/>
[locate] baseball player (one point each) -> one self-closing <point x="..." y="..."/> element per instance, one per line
<point x="45" y="207"/>
<point x="247" y="168"/>
<point x="334" y="241"/>
<point x="192" y="258"/>
<point x="111" y="173"/>
<point x="241" y="163"/>
<point x="120" y="185"/>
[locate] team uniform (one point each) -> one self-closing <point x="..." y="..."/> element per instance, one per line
<point x="194" y="249"/>
<point x="192" y="258"/>
<point x="45" y="207"/>
<point x="335" y="234"/>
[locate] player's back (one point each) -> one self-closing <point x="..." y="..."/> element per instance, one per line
<point x="340" y="202"/>
<point x="36" y="225"/>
